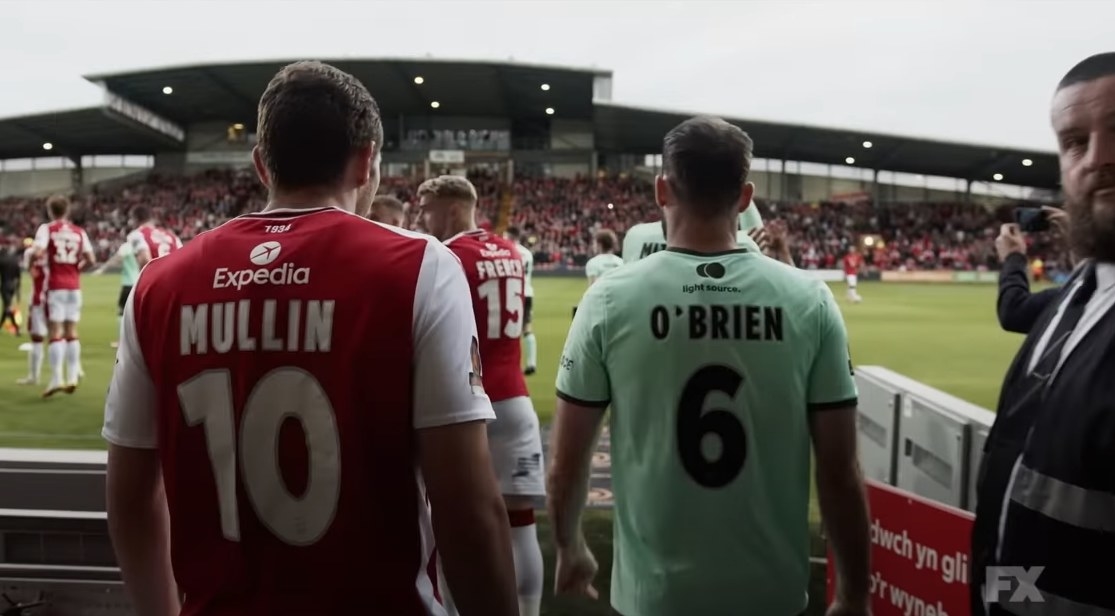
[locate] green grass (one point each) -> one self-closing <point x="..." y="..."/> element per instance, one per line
<point x="944" y="335"/>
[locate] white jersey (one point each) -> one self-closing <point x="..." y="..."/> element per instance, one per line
<point x="528" y="268"/>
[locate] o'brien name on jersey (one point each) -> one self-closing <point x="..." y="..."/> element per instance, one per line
<point x="730" y="322"/>
<point x="502" y="263"/>
<point x="291" y="325"/>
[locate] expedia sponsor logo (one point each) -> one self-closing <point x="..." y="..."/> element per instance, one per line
<point x="491" y="250"/>
<point x="713" y="288"/>
<point x="288" y="273"/>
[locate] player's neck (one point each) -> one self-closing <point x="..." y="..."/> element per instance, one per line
<point x="701" y="236"/>
<point x="309" y="199"/>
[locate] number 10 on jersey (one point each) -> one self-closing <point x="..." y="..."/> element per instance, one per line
<point x="283" y="393"/>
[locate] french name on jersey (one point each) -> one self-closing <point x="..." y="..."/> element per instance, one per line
<point x="499" y="268"/>
<point x="243" y="325"/>
<point x="716" y="322"/>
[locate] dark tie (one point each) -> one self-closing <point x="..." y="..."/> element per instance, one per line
<point x="1051" y="356"/>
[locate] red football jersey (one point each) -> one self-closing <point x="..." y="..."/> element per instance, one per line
<point x="281" y="364"/>
<point x="66" y="244"/>
<point x="852" y="263"/>
<point x="495" y="274"/>
<point x="156" y="241"/>
<point x="35" y="269"/>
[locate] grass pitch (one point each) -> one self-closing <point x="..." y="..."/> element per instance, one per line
<point x="944" y="335"/>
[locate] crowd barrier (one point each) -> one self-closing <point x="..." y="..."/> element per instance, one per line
<point x="920" y="450"/>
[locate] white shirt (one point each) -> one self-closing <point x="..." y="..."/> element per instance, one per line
<point x="528" y="268"/>
<point x="1101" y="301"/>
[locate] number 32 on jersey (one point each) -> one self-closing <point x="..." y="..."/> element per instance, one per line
<point x="283" y="393"/>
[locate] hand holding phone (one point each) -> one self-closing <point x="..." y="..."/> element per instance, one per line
<point x="1031" y="219"/>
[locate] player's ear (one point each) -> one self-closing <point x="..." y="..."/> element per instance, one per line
<point x="261" y="169"/>
<point x="746" y="195"/>
<point x="361" y="164"/>
<point x="661" y="190"/>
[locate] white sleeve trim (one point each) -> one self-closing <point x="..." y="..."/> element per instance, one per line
<point x="130" y="407"/>
<point x="444" y="336"/>
<point x="42" y="237"/>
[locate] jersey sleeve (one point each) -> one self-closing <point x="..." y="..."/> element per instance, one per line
<point x="831" y="380"/>
<point x="136" y="241"/>
<point x="130" y="405"/>
<point x="42" y="237"/>
<point x="582" y="376"/>
<point x="446" y="350"/>
<point x="86" y="245"/>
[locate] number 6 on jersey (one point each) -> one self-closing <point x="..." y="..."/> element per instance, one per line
<point x="206" y="399"/>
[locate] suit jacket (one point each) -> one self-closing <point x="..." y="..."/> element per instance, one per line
<point x="1064" y="413"/>
<point x="1018" y="308"/>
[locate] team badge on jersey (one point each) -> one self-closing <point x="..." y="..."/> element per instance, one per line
<point x="476" y="377"/>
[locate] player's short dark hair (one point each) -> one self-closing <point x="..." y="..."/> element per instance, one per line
<point x="1089" y="69"/>
<point x="312" y="118"/>
<point x="141" y="213"/>
<point x="606" y="239"/>
<point x="389" y="202"/>
<point x="513" y="232"/>
<point x="706" y="161"/>
<point x="58" y="206"/>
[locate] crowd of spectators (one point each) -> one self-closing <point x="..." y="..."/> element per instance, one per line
<point x="559" y="216"/>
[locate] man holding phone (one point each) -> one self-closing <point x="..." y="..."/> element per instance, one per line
<point x="1018" y="308"/>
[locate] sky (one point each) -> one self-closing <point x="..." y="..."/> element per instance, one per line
<point x="974" y="71"/>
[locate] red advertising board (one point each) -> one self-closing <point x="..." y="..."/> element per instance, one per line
<point x="920" y="555"/>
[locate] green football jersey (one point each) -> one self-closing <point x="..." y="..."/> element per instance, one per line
<point x="129" y="267"/>
<point x="647" y="238"/>
<point x="602" y="264"/>
<point x="711" y="365"/>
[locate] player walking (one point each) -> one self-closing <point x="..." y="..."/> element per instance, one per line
<point x="605" y="259"/>
<point x="530" y="343"/>
<point x="495" y="274"/>
<point x="852" y="262"/>
<point x="37" y="318"/>
<point x="67" y="250"/>
<point x="295" y="483"/>
<point x="719" y="365"/>
<point x="150" y="241"/>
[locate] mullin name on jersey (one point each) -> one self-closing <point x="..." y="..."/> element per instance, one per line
<point x="265" y="325"/>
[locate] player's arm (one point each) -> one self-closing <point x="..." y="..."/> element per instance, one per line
<point x="583" y="392"/>
<point x="832" y="424"/>
<point x="450" y="415"/>
<point x="116" y="258"/>
<point x="40" y="243"/>
<point x="138" y="519"/>
<point x="88" y="257"/>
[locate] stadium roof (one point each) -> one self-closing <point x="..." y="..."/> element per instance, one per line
<point x="229" y="92"/>
<point x="139" y="118"/>
<point x="640" y="131"/>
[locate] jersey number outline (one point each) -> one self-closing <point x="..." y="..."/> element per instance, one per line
<point x="206" y="399"/>
<point x="501" y="303"/>
<point x="66" y="249"/>
<point x="694" y="423"/>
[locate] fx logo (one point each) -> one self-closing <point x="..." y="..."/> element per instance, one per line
<point x="1022" y="580"/>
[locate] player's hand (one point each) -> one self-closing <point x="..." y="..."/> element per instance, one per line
<point x="576" y="569"/>
<point x="760" y="236"/>
<point x="777" y="232"/>
<point x="839" y="608"/>
<point x="1010" y="240"/>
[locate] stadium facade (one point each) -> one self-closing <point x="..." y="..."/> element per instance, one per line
<point x="446" y="115"/>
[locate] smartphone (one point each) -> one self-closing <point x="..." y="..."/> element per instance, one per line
<point x="1031" y="219"/>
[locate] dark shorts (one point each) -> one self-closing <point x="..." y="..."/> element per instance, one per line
<point x="528" y="310"/>
<point x="123" y="299"/>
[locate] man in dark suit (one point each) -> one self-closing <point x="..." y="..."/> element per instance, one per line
<point x="1045" y="512"/>
<point x="1017" y="306"/>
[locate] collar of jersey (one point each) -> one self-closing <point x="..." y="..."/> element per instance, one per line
<point x="289" y="212"/>
<point x="695" y="253"/>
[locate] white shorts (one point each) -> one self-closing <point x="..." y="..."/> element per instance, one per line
<point x="516" y="447"/>
<point x="36" y="321"/>
<point x="851" y="278"/>
<point x="64" y="305"/>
